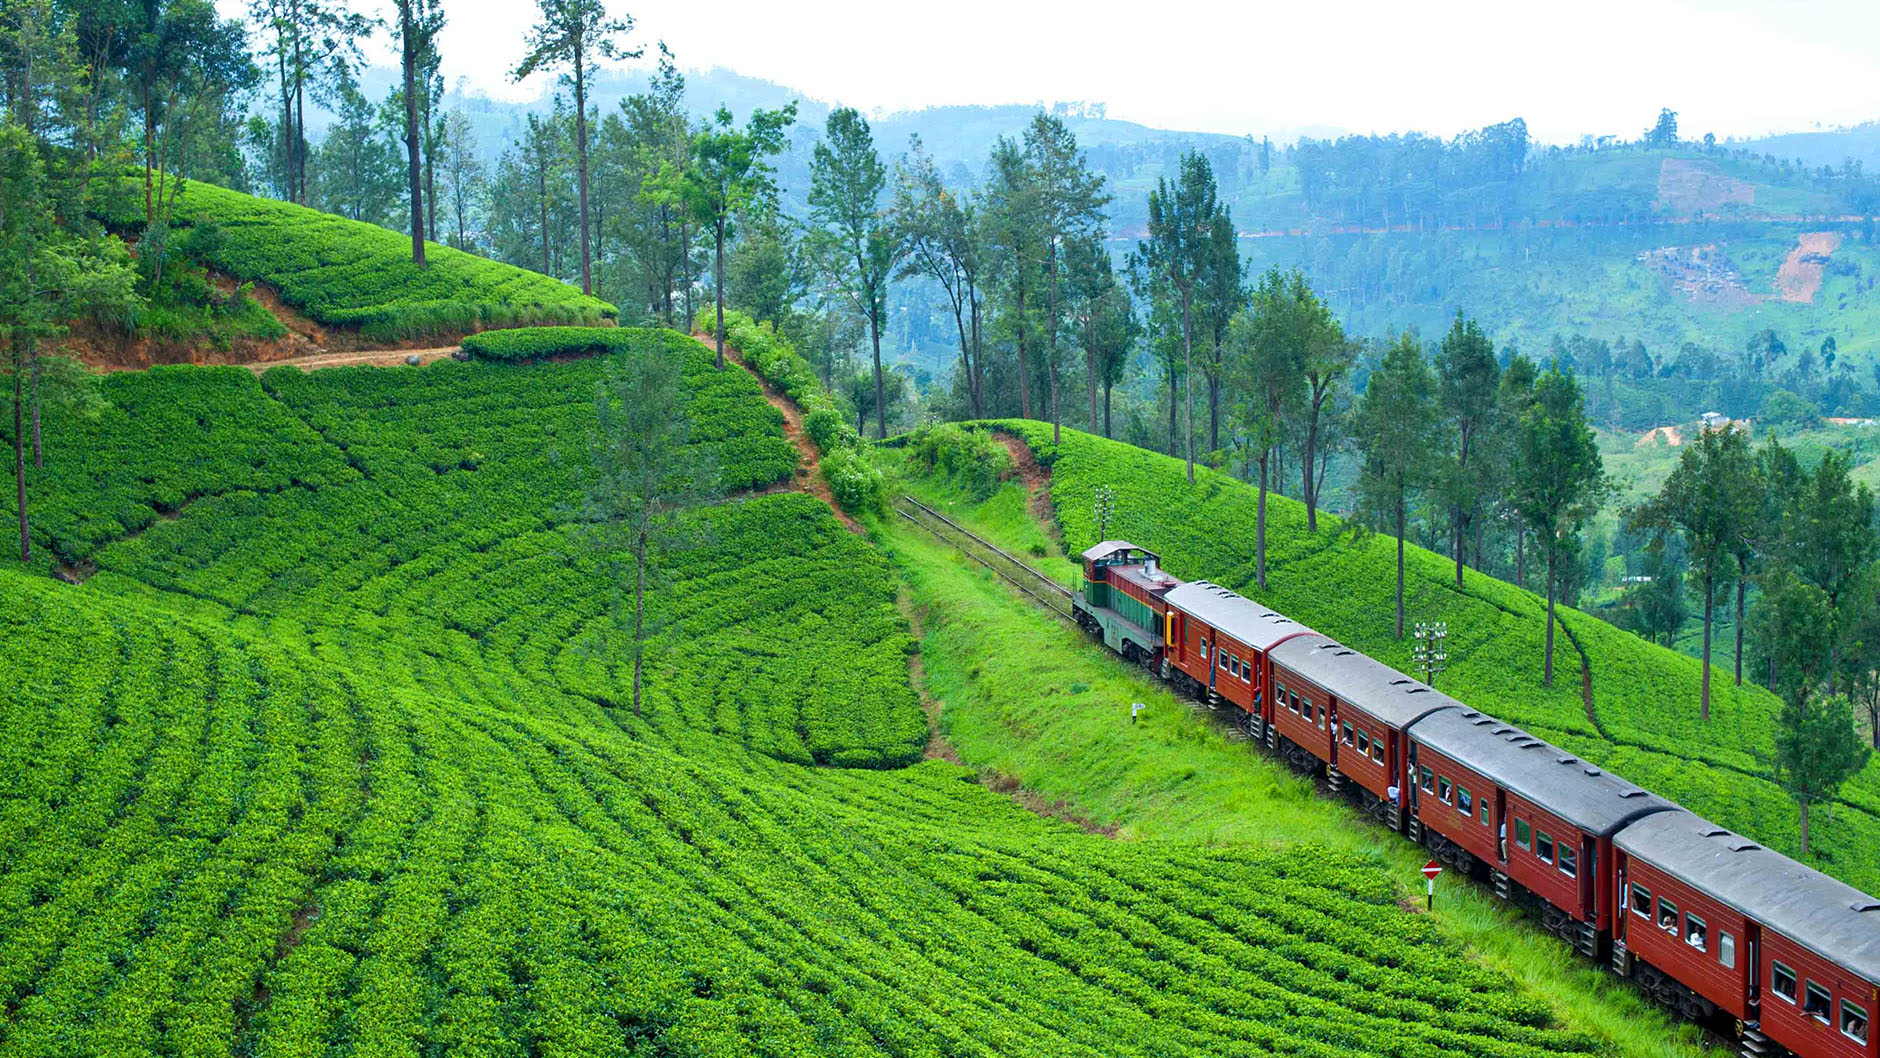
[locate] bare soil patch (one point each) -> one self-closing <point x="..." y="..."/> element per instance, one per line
<point x="1688" y="187"/>
<point x="1799" y="278"/>
<point x="367" y="358"/>
<point x="1669" y="434"/>
<point x="1703" y="274"/>
<point x="1036" y="478"/>
<point x="1039" y="805"/>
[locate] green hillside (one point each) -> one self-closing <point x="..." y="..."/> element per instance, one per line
<point x="349" y="274"/>
<point x="1643" y="718"/>
<point x="321" y="758"/>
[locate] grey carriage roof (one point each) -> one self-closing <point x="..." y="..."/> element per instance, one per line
<point x="1830" y="918"/>
<point x="1581" y="793"/>
<point x="1108" y="547"/>
<point x="1251" y="623"/>
<point x="1365" y="682"/>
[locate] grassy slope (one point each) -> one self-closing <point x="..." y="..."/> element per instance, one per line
<point x="325" y="764"/>
<point x="1028" y="697"/>
<point x="1644" y="722"/>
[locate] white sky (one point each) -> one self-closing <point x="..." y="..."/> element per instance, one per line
<point x="1569" y="67"/>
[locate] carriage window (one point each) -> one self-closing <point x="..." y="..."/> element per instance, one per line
<point x="1465" y="801"/>
<point x="1204" y="650"/>
<point x="1504" y="827"/>
<point x="1569" y="860"/>
<point x="1853" y="1022"/>
<point x="1696" y="933"/>
<point x="1429" y="780"/>
<point x="1667" y="916"/>
<point x="1524" y="836"/>
<point x="1782" y="981"/>
<point x="1224" y="658"/>
<point x="1246" y="673"/>
<point x="1543" y="846"/>
<point x="1305" y="710"/>
<point x="1345" y="733"/>
<point x="1816" y="1002"/>
<point x="1641" y="902"/>
<point x="1726" y="951"/>
<point x="1377" y="750"/>
<point x="1364" y="743"/>
<point x="1442" y="790"/>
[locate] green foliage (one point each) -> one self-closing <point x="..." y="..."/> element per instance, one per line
<point x="541" y="343"/>
<point x="971" y="459"/>
<point x="857" y="484"/>
<point x="828" y="430"/>
<point x="1644" y="722"/>
<point x="1784" y="408"/>
<point x="350" y="274"/>
<point x="1816" y="751"/>
<point x="779" y="363"/>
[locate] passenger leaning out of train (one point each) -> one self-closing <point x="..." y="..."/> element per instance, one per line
<point x="1392" y="794"/>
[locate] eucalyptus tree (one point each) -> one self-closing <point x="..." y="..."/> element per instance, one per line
<point x="1709" y="499"/>
<point x="418" y="26"/>
<point x="1068" y="204"/>
<point x="856" y="237"/>
<point x="1220" y="292"/>
<point x="1009" y="236"/>
<point x="729" y="175"/>
<point x="574" y="35"/>
<point x="1469" y="383"/>
<point x="1328" y="359"/>
<point x="1099" y="311"/>
<point x="1396" y="426"/>
<point x="1558" y="479"/>
<point x="1181" y="216"/>
<point x="302" y="39"/>
<point x="936" y="228"/>
<point x="656" y="153"/>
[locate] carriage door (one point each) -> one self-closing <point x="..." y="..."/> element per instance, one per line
<point x="1501" y="824"/>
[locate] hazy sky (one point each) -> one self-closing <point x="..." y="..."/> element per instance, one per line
<point x="1585" y="66"/>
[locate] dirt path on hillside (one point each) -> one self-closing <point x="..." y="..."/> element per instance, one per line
<point x="1799" y="278"/>
<point x="367" y="358"/>
<point x="807" y="480"/>
<point x="1037" y="480"/>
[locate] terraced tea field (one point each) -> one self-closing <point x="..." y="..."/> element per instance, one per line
<point x="321" y="758"/>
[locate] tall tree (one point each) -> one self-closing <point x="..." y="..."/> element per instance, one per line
<point x="1828" y="535"/>
<point x="1270" y="343"/>
<point x="1558" y="479"/>
<point x="1009" y="234"/>
<point x="1220" y="292"/>
<point x="1396" y="427"/>
<point x="418" y="25"/>
<point x="1778" y="478"/>
<point x="846" y="179"/>
<point x="573" y="35"/>
<point x="48" y="276"/>
<point x="1181" y="216"/>
<point x="730" y="174"/>
<point x="644" y="475"/>
<point x="303" y="38"/>
<point x="1329" y="356"/>
<point x="1099" y="313"/>
<point x="1709" y="499"/>
<point x="937" y="241"/>
<point x="1817" y="750"/>
<point x="463" y="174"/>
<point x="1069" y="208"/>
<point x="1470" y="384"/>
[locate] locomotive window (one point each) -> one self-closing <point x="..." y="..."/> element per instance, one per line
<point x="1377" y="750"/>
<point x="1696" y="933"/>
<point x="1569" y="860"/>
<point x="1726" y="950"/>
<point x="1442" y="789"/>
<point x="1524" y="835"/>
<point x="1782" y="980"/>
<point x="1465" y="801"/>
<point x="1816" y="1002"/>
<point x="1853" y="1022"/>
<point x="1429" y="780"/>
<point x="1667" y="916"/>
<point x="1543" y="846"/>
<point x="1641" y="901"/>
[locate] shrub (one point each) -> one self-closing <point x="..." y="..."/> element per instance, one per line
<point x="829" y="430"/>
<point x="539" y="343"/>
<point x="857" y="484"/>
<point x="972" y="459"/>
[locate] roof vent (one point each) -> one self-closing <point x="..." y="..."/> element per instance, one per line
<point x="1590" y="770"/>
<point x="1481" y="721"/>
<point x="1632" y="793"/>
<point x="1715" y="832"/>
<point x="1533" y="743"/>
<point x="1417" y="690"/>
<point x="1503" y="730"/>
<point x="1568" y="760"/>
<point x="1743" y="846"/>
<point x="1866" y="905"/>
<point x="1401" y="682"/>
<point x="1345" y="653"/>
<point x="1470" y="714"/>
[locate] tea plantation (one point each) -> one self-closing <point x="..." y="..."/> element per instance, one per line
<point x="1644" y="721"/>
<point x="346" y="273"/>
<point x="323" y="759"/>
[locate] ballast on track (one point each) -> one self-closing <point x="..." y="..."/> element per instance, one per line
<point x="1041" y="588"/>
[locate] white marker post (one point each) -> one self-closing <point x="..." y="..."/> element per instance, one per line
<point x="1134" y="708"/>
<point x="1430" y="871"/>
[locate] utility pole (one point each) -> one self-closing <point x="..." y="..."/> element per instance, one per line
<point x="1429" y="653"/>
<point x="1105" y="510"/>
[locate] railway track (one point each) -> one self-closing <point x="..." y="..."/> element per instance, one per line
<point x="1015" y="571"/>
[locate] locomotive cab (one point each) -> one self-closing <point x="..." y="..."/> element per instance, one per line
<point x="1122" y="600"/>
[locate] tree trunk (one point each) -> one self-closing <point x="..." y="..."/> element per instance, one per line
<point x="1710" y="588"/>
<point x="19" y="458"/>
<point x="1306" y="467"/>
<point x="1547" y="669"/>
<point x="1742" y="587"/>
<point x="977" y="382"/>
<point x="1804" y="805"/>
<point x="1024" y="366"/>
<point x="1400" y="515"/>
<point x="581" y="165"/>
<point x="1214" y="413"/>
<point x="639" y="615"/>
<point x="1520" y="557"/>
<point x="1051" y="336"/>
<point x="1106" y="410"/>
<point x="1174" y="404"/>
<point x="874" y="336"/>
<point x="39" y="450"/>
<point x="541" y="180"/>
<point x="1090" y="374"/>
<point x="1259" y="529"/>
<point x="718" y="296"/>
<point x="1188" y="391"/>
<point x="414" y="171"/>
<point x="1456" y="532"/>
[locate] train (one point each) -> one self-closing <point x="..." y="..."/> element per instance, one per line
<point x="1708" y="922"/>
